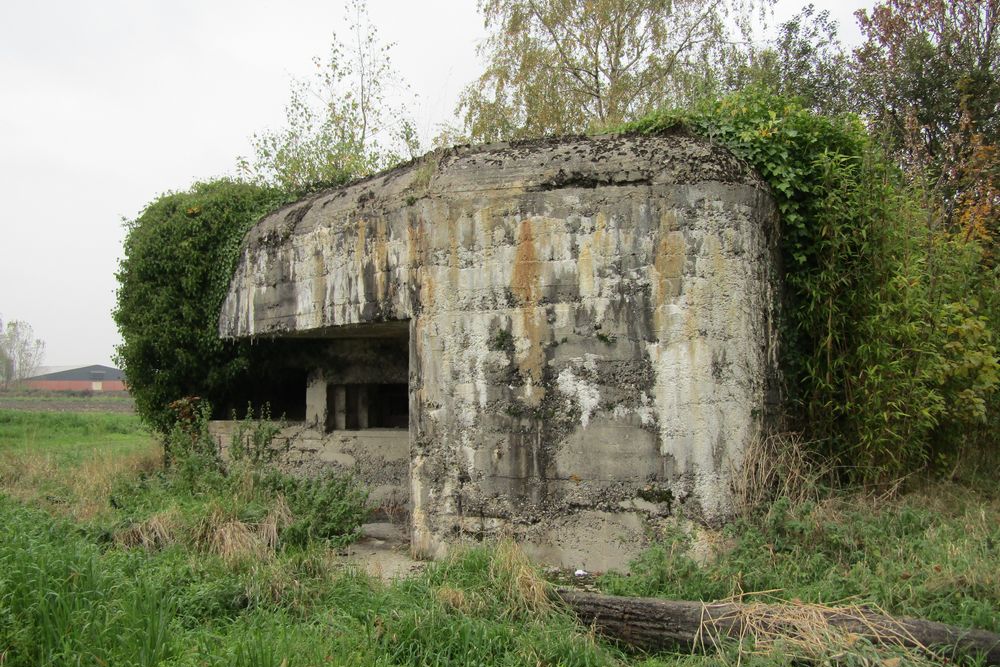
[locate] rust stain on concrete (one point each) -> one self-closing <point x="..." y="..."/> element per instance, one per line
<point x="668" y="266"/>
<point x="525" y="278"/>
<point x="381" y="253"/>
<point x="526" y="285"/>
<point x="416" y="253"/>
<point x="585" y="270"/>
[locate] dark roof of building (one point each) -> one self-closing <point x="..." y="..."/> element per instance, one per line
<point x="96" y="373"/>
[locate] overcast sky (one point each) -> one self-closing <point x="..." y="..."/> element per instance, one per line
<point x="108" y="103"/>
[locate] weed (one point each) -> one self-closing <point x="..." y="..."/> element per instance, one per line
<point x="253" y="438"/>
<point x="329" y="507"/>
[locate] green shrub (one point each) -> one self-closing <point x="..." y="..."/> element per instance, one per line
<point x="189" y="449"/>
<point x="888" y="353"/>
<point x="179" y="256"/>
<point x="329" y="507"/>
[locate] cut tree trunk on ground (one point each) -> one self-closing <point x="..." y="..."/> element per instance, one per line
<point x="652" y="624"/>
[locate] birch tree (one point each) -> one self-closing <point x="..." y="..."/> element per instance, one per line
<point x="567" y="66"/>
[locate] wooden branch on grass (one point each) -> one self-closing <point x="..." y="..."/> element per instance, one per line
<point x="652" y="624"/>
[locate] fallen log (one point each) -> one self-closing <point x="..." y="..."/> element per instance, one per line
<point x="652" y="624"/>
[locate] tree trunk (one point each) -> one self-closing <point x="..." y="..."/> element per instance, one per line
<point x="651" y="624"/>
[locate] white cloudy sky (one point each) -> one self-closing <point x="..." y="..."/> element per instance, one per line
<point x="106" y="104"/>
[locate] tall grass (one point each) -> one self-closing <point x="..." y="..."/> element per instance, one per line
<point x="68" y="462"/>
<point x="930" y="554"/>
<point x="64" y="601"/>
<point x="62" y="605"/>
<point x="71" y="435"/>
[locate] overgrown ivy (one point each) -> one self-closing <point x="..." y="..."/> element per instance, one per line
<point x="888" y="353"/>
<point x="179" y="257"/>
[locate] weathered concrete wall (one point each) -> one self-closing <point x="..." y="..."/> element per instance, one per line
<point x="592" y="326"/>
<point x="380" y="458"/>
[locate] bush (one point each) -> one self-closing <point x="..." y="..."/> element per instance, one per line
<point x="330" y="507"/>
<point x="179" y="256"/>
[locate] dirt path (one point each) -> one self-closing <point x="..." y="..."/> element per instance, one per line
<point x="384" y="552"/>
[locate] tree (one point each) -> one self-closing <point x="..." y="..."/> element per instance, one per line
<point x="562" y="66"/>
<point x="341" y="123"/>
<point x="928" y="82"/>
<point x="928" y="79"/>
<point x="20" y="352"/>
<point x="805" y="61"/>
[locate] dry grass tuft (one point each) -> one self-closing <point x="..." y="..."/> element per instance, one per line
<point x="229" y="538"/>
<point x="225" y="535"/>
<point x="774" y="466"/>
<point x="279" y="516"/>
<point x="454" y="598"/>
<point x="519" y="580"/>
<point x="92" y="482"/>
<point x="156" y="532"/>
<point x="813" y="633"/>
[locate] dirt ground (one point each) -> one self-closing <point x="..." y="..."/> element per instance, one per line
<point x="384" y="552"/>
<point x="66" y="402"/>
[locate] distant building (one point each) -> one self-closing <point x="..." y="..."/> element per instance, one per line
<point x="82" y="378"/>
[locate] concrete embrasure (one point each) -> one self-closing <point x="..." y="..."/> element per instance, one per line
<point x="591" y="333"/>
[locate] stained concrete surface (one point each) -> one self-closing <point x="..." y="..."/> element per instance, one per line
<point x="590" y="325"/>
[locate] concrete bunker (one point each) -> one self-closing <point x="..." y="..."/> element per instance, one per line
<point x="578" y="334"/>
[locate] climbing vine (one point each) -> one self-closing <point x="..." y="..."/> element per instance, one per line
<point x="179" y="256"/>
<point x="888" y="353"/>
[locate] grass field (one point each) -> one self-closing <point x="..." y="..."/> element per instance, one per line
<point x="106" y="559"/>
<point x="67" y="461"/>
